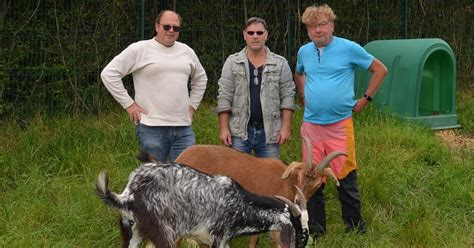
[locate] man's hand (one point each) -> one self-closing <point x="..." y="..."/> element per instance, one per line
<point x="224" y="132"/>
<point x="301" y="101"/>
<point x="283" y="136"/>
<point x="225" y="137"/>
<point x="361" y="103"/>
<point x="134" y="113"/>
<point x="285" y="131"/>
<point x="191" y="112"/>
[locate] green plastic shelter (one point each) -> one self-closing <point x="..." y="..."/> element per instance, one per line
<point x="421" y="83"/>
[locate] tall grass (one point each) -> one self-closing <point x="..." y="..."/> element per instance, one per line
<point x="415" y="191"/>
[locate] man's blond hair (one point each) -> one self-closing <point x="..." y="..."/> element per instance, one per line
<point x="312" y="13"/>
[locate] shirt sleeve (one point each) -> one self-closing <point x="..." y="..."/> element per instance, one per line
<point x="299" y="62"/>
<point x="287" y="88"/>
<point x="120" y="66"/>
<point x="198" y="83"/>
<point x="226" y="87"/>
<point x="362" y="58"/>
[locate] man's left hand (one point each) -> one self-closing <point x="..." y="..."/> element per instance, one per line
<point x="283" y="136"/>
<point x="191" y="112"/>
<point x="360" y="105"/>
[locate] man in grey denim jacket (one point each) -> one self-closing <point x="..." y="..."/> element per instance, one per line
<point x="256" y="96"/>
<point x="256" y="99"/>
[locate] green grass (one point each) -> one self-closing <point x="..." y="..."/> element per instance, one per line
<point x="416" y="192"/>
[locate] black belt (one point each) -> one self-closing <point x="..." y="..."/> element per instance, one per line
<point x="256" y="124"/>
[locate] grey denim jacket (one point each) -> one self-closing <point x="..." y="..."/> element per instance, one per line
<point x="277" y="93"/>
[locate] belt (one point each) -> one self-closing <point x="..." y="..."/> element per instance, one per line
<point x="256" y="124"/>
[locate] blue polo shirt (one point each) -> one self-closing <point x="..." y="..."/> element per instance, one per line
<point x="329" y="87"/>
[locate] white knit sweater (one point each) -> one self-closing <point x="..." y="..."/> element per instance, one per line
<point x="160" y="77"/>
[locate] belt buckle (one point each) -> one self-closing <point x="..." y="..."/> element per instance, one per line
<point x="256" y="124"/>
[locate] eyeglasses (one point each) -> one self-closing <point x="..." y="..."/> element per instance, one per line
<point x="255" y="76"/>
<point x="253" y="32"/>
<point x="320" y="25"/>
<point x="167" y="27"/>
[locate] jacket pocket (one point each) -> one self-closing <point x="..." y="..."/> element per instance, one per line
<point x="275" y="120"/>
<point x="235" y="121"/>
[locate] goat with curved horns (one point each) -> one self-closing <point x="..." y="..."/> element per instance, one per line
<point x="264" y="176"/>
<point x="164" y="202"/>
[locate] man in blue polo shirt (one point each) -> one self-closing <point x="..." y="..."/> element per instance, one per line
<point x="325" y="71"/>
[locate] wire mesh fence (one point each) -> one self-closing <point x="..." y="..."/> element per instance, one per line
<point x="52" y="51"/>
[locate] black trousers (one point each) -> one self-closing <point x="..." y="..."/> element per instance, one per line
<point x="350" y="206"/>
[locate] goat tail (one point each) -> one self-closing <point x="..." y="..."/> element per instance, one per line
<point x="109" y="198"/>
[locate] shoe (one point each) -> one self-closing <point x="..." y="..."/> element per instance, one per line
<point x="317" y="232"/>
<point x="359" y="229"/>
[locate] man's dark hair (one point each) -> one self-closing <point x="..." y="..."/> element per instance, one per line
<point x="158" y="17"/>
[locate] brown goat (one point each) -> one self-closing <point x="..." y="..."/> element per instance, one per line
<point x="264" y="176"/>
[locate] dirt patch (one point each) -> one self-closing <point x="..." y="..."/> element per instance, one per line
<point x="455" y="139"/>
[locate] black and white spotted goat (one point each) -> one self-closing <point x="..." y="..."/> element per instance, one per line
<point x="164" y="202"/>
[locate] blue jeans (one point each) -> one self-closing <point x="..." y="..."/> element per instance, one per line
<point x="256" y="142"/>
<point x="165" y="143"/>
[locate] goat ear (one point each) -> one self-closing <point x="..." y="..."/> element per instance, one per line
<point x="295" y="166"/>
<point x="144" y="156"/>
<point x="301" y="175"/>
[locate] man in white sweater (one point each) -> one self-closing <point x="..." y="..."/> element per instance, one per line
<point x="162" y="107"/>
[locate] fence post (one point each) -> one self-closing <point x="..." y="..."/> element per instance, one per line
<point x="290" y="38"/>
<point x="142" y="19"/>
<point x="405" y="21"/>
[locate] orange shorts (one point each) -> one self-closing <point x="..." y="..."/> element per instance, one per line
<point x="325" y="139"/>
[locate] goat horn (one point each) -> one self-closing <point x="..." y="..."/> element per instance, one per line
<point x="329" y="172"/>
<point x="326" y="160"/>
<point x="300" y="197"/>
<point x="295" y="211"/>
<point x="309" y="151"/>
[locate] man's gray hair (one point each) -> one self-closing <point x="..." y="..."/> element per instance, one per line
<point x="253" y="20"/>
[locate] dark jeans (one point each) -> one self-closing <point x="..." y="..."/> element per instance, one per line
<point x="350" y="205"/>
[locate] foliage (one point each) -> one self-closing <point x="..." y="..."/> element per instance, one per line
<point x="53" y="51"/>
<point x="465" y="103"/>
<point x="415" y="191"/>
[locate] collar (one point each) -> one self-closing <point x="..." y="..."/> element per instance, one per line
<point x="154" y="38"/>
<point x="328" y="46"/>
<point x="269" y="58"/>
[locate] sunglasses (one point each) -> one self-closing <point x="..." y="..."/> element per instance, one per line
<point x="167" y="27"/>
<point x="256" y="80"/>
<point x="255" y="76"/>
<point x="253" y="32"/>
